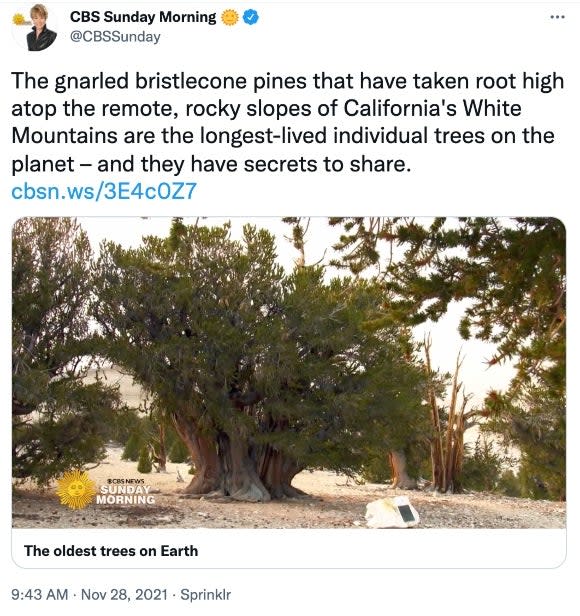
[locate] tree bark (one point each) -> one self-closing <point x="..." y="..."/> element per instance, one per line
<point x="204" y="455"/>
<point x="160" y="452"/>
<point x="226" y="464"/>
<point x="277" y="471"/>
<point x="401" y="479"/>
<point x="447" y="450"/>
<point x="437" y="457"/>
<point x="240" y="479"/>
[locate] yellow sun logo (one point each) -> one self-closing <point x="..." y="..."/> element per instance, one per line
<point x="19" y="19"/>
<point x="230" y="17"/>
<point x="75" y="489"/>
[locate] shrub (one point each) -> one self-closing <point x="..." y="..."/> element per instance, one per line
<point x="178" y="452"/>
<point x="132" y="448"/>
<point x="144" y="465"/>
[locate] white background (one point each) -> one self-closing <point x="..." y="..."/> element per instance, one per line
<point x="300" y="38"/>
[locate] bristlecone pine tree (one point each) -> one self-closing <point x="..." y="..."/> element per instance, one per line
<point x="263" y="373"/>
<point x="513" y="271"/>
<point x="59" y="422"/>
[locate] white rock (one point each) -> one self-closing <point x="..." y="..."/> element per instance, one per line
<point x="394" y="512"/>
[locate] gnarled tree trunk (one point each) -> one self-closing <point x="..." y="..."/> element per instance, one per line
<point x="277" y="471"/>
<point x="240" y="479"/>
<point x="159" y="449"/>
<point x="203" y="453"/>
<point x="401" y="479"/>
<point x="447" y="448"/>
<point x="227" y="464"/>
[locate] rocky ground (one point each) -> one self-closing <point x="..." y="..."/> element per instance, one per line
<point x="334" y="502"/>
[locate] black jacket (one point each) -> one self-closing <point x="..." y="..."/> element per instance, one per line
<point x="46" y="39"/>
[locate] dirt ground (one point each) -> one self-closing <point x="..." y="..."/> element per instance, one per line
<point x="334" y="502"/>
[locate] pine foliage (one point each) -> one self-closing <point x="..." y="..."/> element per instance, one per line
<point x="513" y="274"/>
<point x="59" y="421"/>
<point x="144" y="465"/>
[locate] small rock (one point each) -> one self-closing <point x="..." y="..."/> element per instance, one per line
<point x="394" y="512"/>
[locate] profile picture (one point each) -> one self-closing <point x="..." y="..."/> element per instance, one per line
<point x="40" y="37"/>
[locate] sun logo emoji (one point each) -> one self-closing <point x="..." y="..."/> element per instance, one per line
<point x="19" y="19"/>
<point x="230" y="17"/>
<point x="75" y="489"/>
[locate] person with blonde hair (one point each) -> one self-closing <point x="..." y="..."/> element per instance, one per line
<point x="41" y="37"/>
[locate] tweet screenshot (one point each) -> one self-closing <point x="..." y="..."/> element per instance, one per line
<point x="288" y="294"/>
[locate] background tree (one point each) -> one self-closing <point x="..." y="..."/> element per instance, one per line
<point x="59" y="421"/>
<point x="449" y="425"/>
<point x="401" y="466"/>
<point x="513" y="274"/>
<point x="152" y="429"/>
<point x="178" y="452"/>
<point x="485" y="468"/>
<point x="533" y="419"/>
<point x="144" y="465"/>
<point x="512" y="271"/>
<point x="156" y="432"/>
<point x="133" y="445"/>
<point x="346" y="383"/>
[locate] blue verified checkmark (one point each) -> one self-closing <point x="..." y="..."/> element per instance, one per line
<point x="250" y="17"/>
